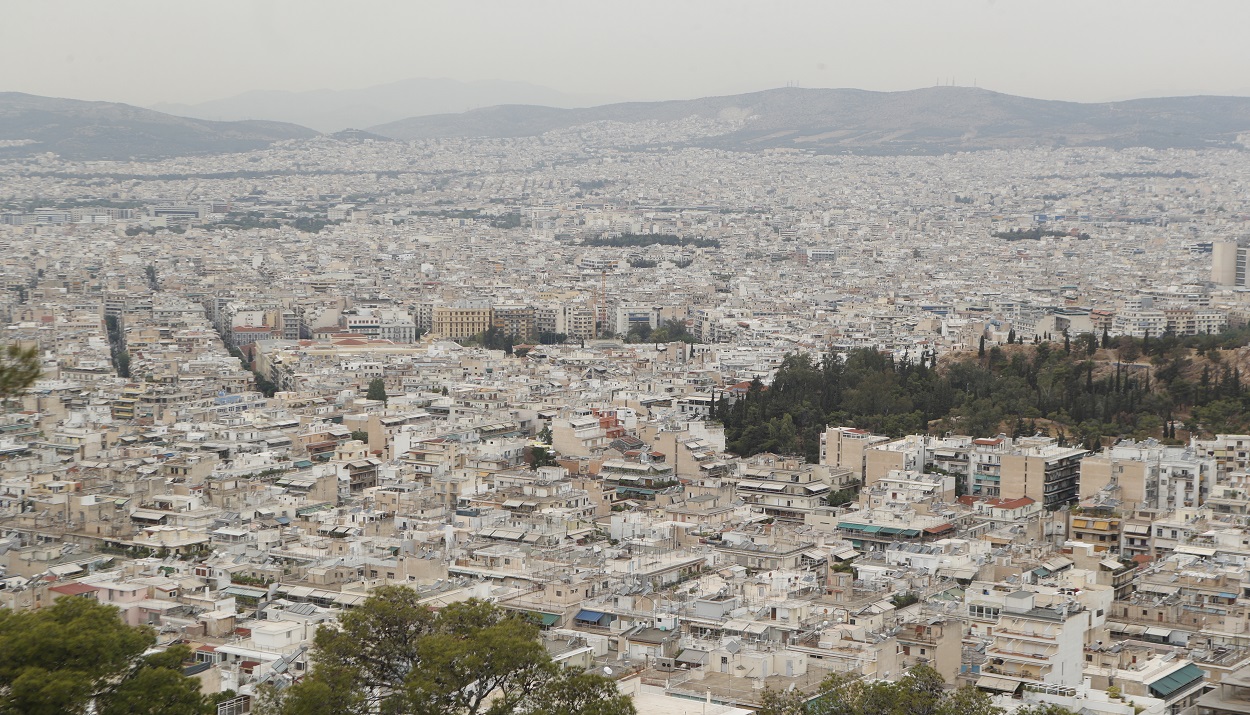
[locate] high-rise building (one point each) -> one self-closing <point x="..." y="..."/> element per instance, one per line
<point x="1228" y="264"/>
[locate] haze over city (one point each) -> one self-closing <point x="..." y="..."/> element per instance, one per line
<point x="145" y="52"/>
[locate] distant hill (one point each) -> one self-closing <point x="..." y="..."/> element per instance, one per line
<point x="332" y="110"/>
<point x="927" y="120"/>
<point x="358" y="135"/>
<point x="75" y="129"/>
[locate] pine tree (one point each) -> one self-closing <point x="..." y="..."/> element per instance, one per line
<point x="377" y="390"/>
<point x="981" y="348"/>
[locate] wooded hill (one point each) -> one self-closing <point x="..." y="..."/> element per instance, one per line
<point x="1085" y="391"/>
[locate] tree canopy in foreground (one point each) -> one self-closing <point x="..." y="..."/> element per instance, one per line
<point x="77" y="656"/>
<point x="394" y="656"/>
<point x="19" y="368"/>
<point x="921" y="691"/>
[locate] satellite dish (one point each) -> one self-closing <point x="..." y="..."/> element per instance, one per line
<point x="607" y="670"/>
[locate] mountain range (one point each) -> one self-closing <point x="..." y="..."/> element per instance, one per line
<point x="931" y="120"/>
<point x="75" y="129"/>
<point x="934" y="119"/>
<point x="329" y="110"/>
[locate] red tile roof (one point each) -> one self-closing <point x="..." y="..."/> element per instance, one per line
<point x="74" y="589"/>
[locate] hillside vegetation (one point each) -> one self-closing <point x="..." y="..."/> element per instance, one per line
<point x="1078" y="390"/>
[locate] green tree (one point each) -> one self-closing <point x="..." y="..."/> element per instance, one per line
<point x="77" y="656"/>
<point x="1042" y="709"/>
<point x="361" y="435"/>
<point x="921" y="691"/>
<point x="377" y="390"/>
<point x="968" y="700"/>
<point x="393" y="655"/>
<point x="673" y="330"/>
<point x="1128" y="348"/>
<point x="782" y="702"/>
<point x="542" y="457"/>
<point x="19" y="369"/>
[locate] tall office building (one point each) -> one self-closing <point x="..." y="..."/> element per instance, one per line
<point x="1228" y="264"/>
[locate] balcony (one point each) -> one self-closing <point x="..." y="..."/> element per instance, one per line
<point x="1017" y="656"/>
<point x="1041" y="637"/>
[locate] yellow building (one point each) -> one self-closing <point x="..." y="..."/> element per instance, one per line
<point x="460" y="323"/>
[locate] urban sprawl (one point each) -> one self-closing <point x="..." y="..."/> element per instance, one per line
<point x="556" y="373"/>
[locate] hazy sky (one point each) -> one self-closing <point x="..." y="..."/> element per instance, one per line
<point x="148" y="51"/>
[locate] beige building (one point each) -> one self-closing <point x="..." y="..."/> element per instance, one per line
<point x="936" y="643"/>
<point x="1104" y="471"/>
<point x="1042" y="470"/>
<point x="847" y="447"/>
<point x="514" y="320"/>
<point x="460" y="323"/>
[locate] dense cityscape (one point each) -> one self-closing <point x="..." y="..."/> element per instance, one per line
<point x="619" y="416"/>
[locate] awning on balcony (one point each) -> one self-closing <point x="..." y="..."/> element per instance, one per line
<point x="997" y="684"/>
<point x="958" y="572"/>
<point x="692" y="657"/>
<point x="1177" y="680"/>
<point x="1057" y="564"/>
